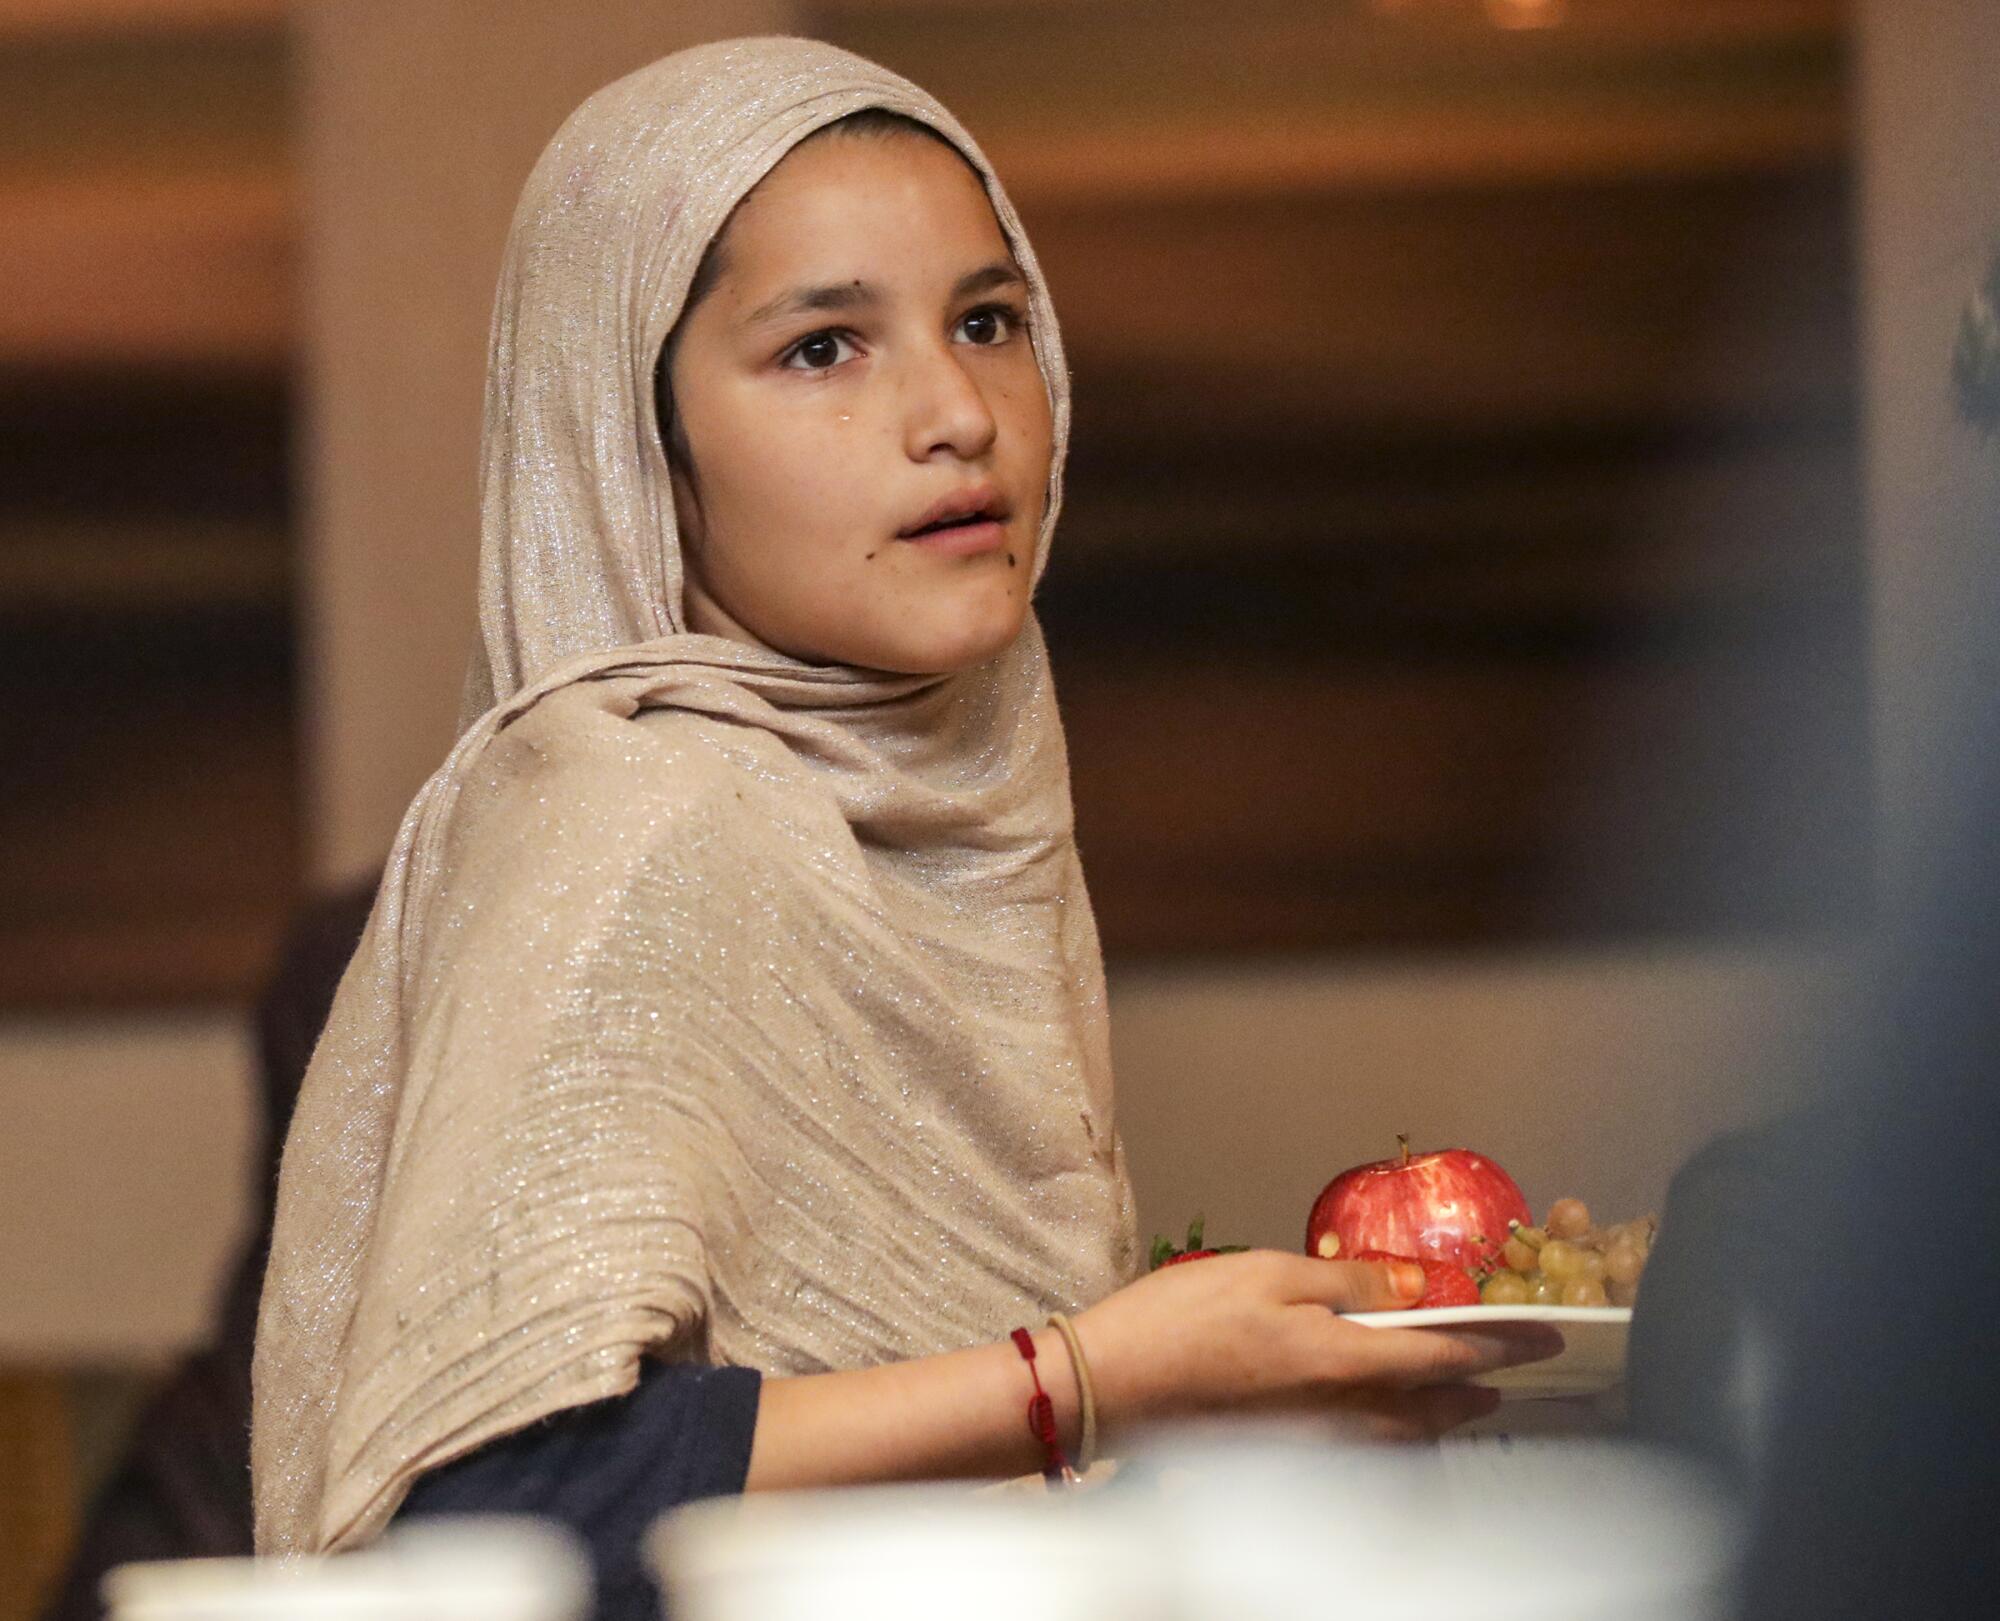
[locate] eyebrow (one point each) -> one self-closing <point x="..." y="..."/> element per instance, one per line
<point x="850" y="295"/>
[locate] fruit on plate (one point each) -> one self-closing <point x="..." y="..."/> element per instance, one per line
<point x="1165" y="1254"/>
<point x="1570" y="1261"/>
<point x="1445" y="1282"/>
<point x="1451" y="1205"/>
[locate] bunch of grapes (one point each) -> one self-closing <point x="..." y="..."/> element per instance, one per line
<point x="1570" y="1261"/>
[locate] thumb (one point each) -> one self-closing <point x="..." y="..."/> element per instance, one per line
<point x="1351" y="1285"/>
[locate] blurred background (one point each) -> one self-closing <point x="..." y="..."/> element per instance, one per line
<point x="1516" y="536"/>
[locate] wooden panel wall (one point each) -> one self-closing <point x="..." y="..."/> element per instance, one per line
<point x="147" y="831"/>
<point x="37" y="1499"/>
<point x="1462" y="511"/>
<point x="1463" y="543"/>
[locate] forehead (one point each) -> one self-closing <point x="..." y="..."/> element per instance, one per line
<point x="861" y="205"/>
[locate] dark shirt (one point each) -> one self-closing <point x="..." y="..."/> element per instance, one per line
<point x="609" y="1470"/>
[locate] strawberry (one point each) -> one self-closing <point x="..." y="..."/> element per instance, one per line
<point x="1445" y="1284"/>
<point x="1164" y="1253"/>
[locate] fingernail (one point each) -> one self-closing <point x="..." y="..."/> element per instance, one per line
<point x="1409" y="1279"/>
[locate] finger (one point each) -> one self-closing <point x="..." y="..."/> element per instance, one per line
<point x="1415" y="1415"/>
<point x="1380" y="1414"/>
<point x="1437" y="1410"/>
<point x="1408" y="1357"/>
<point x="1402" y="1416"/>
<point x="1347" y="1285"/>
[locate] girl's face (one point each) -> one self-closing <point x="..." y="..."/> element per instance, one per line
<point x="860" y="367"/>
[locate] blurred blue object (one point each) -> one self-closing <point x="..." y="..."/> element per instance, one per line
<point x="1821" y="1316"/>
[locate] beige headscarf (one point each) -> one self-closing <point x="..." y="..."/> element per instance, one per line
<point x="714" y="1004"/>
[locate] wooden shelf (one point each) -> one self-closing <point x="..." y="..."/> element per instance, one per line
<point x="106" y="565"/>
<point x="1308" y="98"/>
<point x="1467" y="803"/>
<point x="150" y="827"/>
<point x="1651" y="22"/>
<point x="1415" y="154"/>
<point x="134" y="269"/>
<point x="42" y="21"/>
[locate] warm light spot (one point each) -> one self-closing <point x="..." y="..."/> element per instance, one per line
<point x="1500" y="13"/>
<point x="1329" y="1246"/>
<point x="1525" y="13"/>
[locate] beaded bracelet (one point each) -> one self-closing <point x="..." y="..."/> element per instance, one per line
<point x="1086" y="1452"/>
<point x="1042" y="1417"/>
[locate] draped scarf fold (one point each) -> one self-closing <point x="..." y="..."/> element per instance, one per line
<point x="714" y="1005"/>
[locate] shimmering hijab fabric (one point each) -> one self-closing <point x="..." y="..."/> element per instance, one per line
<point x="714" y="1005"/>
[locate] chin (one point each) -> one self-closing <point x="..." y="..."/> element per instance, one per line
<point x="947" y="650"/>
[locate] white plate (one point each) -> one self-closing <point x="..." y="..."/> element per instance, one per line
<point x="1592" y="1358"/>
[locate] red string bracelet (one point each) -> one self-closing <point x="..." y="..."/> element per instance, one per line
<point x="1042" y="1418"/>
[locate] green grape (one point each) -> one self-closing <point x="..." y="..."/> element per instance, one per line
<point x="1544" y="1290"/>
<point x="1518" y="1255"/>
<point x="1568" y="1218"/>
<point x="1562" y="1259"/>
<point x="1583" y="1292"/>
<point x="1624" y="1261"/>
<point x="1504" y="1289"/>
<point x="1589" y="1265"/>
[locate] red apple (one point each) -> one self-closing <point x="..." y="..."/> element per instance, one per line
<point x="1453" y="1205"/>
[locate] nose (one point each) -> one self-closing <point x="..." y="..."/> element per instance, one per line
<point x="945" y="408"/>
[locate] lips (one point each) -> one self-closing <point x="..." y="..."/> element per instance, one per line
<point x="975" y="504"/>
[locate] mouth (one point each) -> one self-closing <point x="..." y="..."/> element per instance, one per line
<point x="974" y="510"/>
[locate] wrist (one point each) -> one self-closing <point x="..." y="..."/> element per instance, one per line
<point x="1084" y="1386"/>
<point x="1050" y="1414"/>
<point x="1059" y="1379"/>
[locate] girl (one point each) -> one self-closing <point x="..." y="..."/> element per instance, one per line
<point x="723" y="1074"/>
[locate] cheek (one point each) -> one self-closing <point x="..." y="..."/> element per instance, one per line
<point x="788" y="484"/>
<point x="1022" y="403"/>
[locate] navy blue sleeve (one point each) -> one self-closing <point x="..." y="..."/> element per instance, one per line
<point x="608" y="1470"/>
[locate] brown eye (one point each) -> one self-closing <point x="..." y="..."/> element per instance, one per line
<point x="991" y="324"/>
<point x="817" y="351"/>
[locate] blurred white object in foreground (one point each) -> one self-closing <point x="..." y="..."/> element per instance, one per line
<point x="907" y="1553"/>
<point x="478" y="1569"/>
<point x="1270" y="1528"/>
<point x="1235" y="1524"/>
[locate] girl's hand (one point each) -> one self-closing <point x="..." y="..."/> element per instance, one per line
<point x="1259" y="1330"/>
